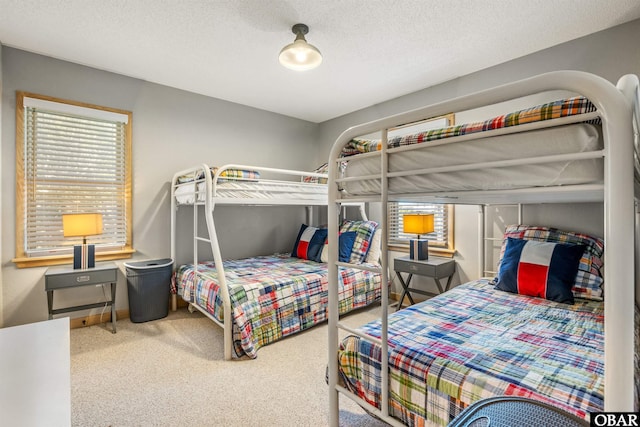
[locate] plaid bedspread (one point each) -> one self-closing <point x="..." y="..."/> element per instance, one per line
<point x="552" y="110"/>
<point x="229" y="174"/>
<point x="273" y="296"/>
<point x="475" y="342"/>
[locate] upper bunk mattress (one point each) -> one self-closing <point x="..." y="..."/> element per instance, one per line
<point x="475" y="342"/>
<point x="256" y="191"/>
<point x="575" y="138"/>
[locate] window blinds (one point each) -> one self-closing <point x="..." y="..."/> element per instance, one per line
<point x="74" y="162"/>
<point x="396" y="210"/>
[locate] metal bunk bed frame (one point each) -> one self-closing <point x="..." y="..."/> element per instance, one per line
<point x="618" y="110"/>
<point x="211" y="200"/>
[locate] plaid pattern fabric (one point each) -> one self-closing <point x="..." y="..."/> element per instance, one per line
<point x="317" y="180"/>
<point x="359" y="145"/>
<point x="475" y="342"/>
<point x="273" y="296"/>
<point x="250" y="175"/>
<point x="553" y="110"/>
<point x="364" y="234"/>
<point x="589" y="281"/>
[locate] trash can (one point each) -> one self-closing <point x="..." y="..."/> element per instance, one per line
<point x="148" y="284"/>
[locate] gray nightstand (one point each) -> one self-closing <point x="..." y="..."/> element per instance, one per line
<point x="436" y="268"/>
<point x="67" y="277"/>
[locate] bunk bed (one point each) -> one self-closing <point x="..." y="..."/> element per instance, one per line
<point x="591" y="154"/>
<point x="267" y="297"/>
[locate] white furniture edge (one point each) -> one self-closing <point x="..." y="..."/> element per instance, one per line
<point x="35" y="374"/>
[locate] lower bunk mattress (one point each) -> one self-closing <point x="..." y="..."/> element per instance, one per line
<point x="273" y="296"/>
<point x="475" y="342"/>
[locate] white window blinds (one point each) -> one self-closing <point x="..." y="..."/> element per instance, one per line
<point x="74" y="162"/>
<point x="396" y="210"/>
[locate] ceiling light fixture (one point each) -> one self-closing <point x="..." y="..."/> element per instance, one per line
<point x="300" y="55"/>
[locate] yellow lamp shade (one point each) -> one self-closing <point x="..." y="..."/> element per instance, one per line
<point x="417" y="223"/>
<point x="81" y="225"/>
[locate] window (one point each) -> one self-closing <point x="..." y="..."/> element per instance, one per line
<point x="70" y="158"/>
<point x="441" y="240"/>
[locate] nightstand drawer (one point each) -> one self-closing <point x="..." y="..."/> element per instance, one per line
<point x="433" y="267"/>
<point x="80" y="278"/>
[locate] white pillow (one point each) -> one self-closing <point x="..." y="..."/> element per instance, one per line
<point x="373" y="256"/>
<point x="324" y="255"/>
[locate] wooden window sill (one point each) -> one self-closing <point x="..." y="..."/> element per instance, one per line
<point x="26" y="262"/>
<point x="433" y="250"/>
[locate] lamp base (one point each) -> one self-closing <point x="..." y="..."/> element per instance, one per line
<point x="84" y="256"/>
<point x="419" y="249"/>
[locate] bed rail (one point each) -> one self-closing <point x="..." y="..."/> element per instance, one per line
<point x="262" y="186"/>
<point x="616" y="191"/>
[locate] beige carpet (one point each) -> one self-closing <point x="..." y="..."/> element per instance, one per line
<point x="171" y="372"/>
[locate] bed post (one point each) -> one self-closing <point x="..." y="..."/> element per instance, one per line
<point x="209" y="205"/>
<point x="482" y="244"/>
<point x="174" y="209"/>
<point x="637" y="240"/>
<point x="619" y="262"/>
<point x="332" y="268"/>
<point x="309" y="214"/>
<point x="630" y="88"/>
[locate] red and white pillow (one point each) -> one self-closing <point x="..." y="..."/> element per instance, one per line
<point x="309" y="242"/>
<point x="588" y="282"/>
<point x="540" y="269"/>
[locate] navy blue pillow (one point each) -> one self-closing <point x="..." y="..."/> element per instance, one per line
<point x="540" y="269"/>
<point x="346" y="242"/>
<point x="309" y="242"/>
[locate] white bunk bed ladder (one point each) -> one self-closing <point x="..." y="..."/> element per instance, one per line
<point x="212" y="239"/>
<point x="488" y="239"/>
<point x="209" y="205"/>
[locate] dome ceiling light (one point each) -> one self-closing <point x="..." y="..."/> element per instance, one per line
<point x="300" y="55"/>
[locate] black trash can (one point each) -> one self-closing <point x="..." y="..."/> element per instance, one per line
<point x="148" y="286"/>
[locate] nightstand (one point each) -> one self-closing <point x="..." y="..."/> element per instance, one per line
<point x="436" y="268"/>
<point x="67" y="277"/>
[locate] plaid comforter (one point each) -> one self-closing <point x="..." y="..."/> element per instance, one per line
<point x="475" y="342"/>
<point x="273" y="296"/>
<point x="552" y="110"/>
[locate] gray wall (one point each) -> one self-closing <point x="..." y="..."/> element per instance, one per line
<point x="610" y="54"/>
<point x="172" y="130"/>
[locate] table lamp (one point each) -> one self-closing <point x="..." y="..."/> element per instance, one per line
<point x="82" y="225"/>
<point x="418" y="224"/>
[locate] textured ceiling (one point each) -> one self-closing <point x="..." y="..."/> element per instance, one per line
<point x="374" y="50"/>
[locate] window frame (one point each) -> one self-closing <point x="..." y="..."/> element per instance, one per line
<point x="443" y="248"/>
<point x="22" y="259"/>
